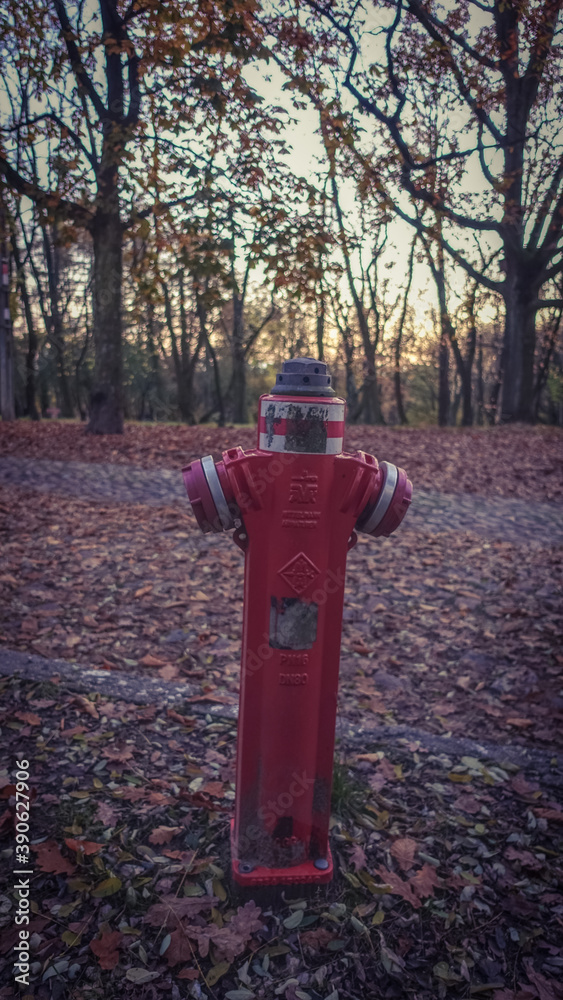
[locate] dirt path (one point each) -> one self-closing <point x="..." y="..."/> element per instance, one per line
<point x="525" y="521"/>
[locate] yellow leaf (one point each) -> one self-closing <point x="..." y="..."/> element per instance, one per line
<point x="107" y="888"/>
<point x="216" y="972"/>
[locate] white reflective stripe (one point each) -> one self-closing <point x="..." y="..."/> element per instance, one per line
<point x="281" y="410"/>
<point x="277" y="442"/>
<point x="385" y="497"/>
<point x="210" y="473"/>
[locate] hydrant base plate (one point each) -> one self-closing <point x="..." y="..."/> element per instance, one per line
<point x="304" y="873"/>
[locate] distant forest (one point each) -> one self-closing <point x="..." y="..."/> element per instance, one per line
<point x="162" y="252"/>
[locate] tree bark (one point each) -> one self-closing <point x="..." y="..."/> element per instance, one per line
<point x="184" y="362"/>
<point x="106" y="402"/>
<point x="52" y="252"/>
<point x="519" y="347"/>
<point x="480" y="385"/>
<point x="202" y="317"/>
<point x="32" y="340"/>
<point x="7" y="400"/>
<point x="401" y="415"/>
<point x="369" y="392"/>
<point x="238" y="382"/>
<point x="444" y="377"/>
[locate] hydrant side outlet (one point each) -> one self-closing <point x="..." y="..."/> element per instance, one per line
<point x="296" y="501"/>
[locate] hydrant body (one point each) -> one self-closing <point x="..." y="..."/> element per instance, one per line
<point x="295" y="503"/>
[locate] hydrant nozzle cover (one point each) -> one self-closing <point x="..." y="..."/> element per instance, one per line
<point x="303" y="377"/>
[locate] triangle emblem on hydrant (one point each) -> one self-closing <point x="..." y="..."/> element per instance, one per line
<point x="299" y="572"/>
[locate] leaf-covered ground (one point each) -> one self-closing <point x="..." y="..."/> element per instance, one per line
<point x="499" y="461"/>
<point x="448" y="867"/>
<point x="451" y="632"/>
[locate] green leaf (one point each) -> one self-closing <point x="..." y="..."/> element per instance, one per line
<point x="71" y="939"/>
<point x="216" y="972"/>
<point x="165" y="944"/>
<point x="107" y="888"/>
<point x="293" y="920"/>
<point x="358" y="926"/>
<point x="336" y="944"/>
<point x="141" y="975"/>
<point x="219" y="889"/>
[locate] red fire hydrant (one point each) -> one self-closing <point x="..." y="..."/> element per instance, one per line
<point x="295" y="503"/>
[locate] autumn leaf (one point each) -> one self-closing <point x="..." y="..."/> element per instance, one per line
<point x="425" y="881"/>
<point x="468" y="804"/>
<point x="357" y="857"/>
<point x="169" y="911"/>
<point x="316" y="939"/>
<point x="106" y="814"/>
<point x="522" y="786"/>
<point x="360" y="647"/>
<point x="164" y="834"/>
<point x="546" y="989"/>
<point x="185" y="720"/>
<point x="188" y="972"/>
<point x="398" y="886"/>
<point x="105" y="949"/>
<point x="30" y="717"/>
<point x="118" y="755"/>
<point x="84" y="846"/>
<point x="555" y="815"/>
<point x="50" y="859"/>
<point x="180" y="948"/>
<point x="108" y="887"/>
<point x="526" y="858"/>
<point x="169" y="672"/>
<point x="152" y="661"/>
<point x="403" y="850"/>
<point x="214" y="788"/>
<point x="87" y="706"/>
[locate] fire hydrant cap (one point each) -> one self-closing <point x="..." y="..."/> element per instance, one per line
<point x="303" y="377"/>
<point x="387" y="508"/>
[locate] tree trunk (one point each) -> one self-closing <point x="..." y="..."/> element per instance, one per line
<point x="7" y="401"/>
<point x="106" y="402"/>
<point x="444" y="378"/>
<point x="32" y="339"/>
<point x="56" y="325"/>
<point x="519" y="347"/>
<point x="202" y="316"/>
<point x="351" y="388"/>
<point x="154" y="388"/>
<point x="401" y="415"/>
<point x="480" y="386"/>
<point x="321" y="317"/>
<point x="238" y="383"/>
<point x="371" y="407"/>
<point x="544" y="363"/>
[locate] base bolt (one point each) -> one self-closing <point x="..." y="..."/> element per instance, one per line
<point x="245" y="868"/>
<point x="322" y="864"/>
